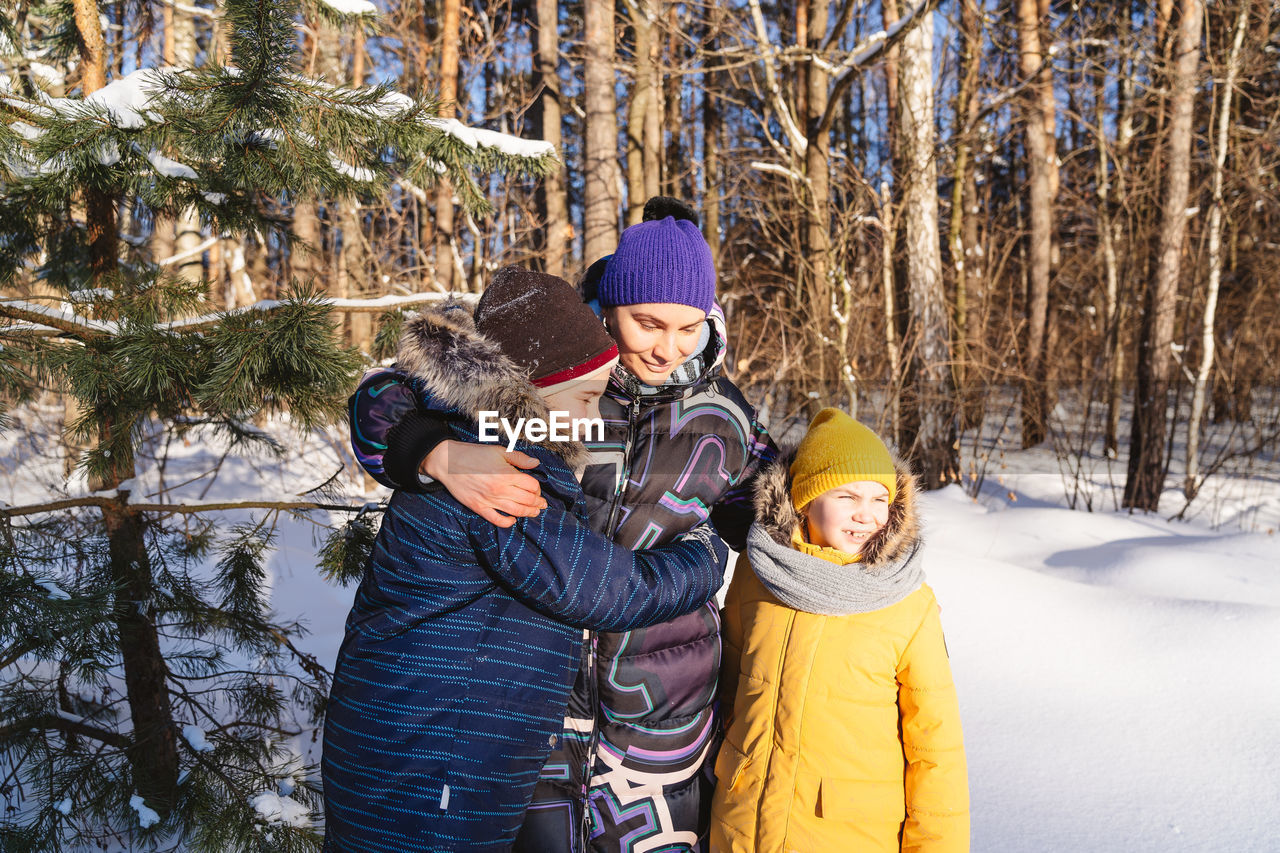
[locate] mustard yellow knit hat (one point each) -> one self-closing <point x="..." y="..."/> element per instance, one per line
<point x="838" y="450"/>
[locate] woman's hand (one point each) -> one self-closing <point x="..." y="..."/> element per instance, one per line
<point x="487" y="480"/>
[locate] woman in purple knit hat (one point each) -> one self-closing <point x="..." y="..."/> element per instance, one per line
<point x="633" y="766"/>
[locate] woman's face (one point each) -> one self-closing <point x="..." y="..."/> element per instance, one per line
<point x="655" y="338"/>
<point x="847" y="516"/>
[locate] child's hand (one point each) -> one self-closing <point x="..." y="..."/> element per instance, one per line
<point x="487" y="480"/>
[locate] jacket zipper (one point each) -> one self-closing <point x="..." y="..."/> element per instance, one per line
<point x="593" y="692"/>
<point x="620" y="490"/>
<point x="593" y="698"/>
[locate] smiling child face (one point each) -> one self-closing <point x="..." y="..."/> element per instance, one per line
<point x="847" y="516"/>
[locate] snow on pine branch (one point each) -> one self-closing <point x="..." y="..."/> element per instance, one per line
<point x="128" y="99"/>
<point x="342" y="167"/>
<point x="130" y="102"/>
<point x="63" y="321"/>
<point x="478" y="137"/>
<point x="393" y="104"/>
<point x="352" y="8"/>
<point x="380" y="303"/>
<point x="57" y="318"/>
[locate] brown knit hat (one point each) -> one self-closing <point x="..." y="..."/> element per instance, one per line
<point x="541" y="323"/>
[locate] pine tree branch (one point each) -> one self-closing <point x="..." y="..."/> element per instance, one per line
<point x="62" y="724"/>
<point x="64" y="321"/>
<point x="375" y="305"/>
<point x="32" y="330"/>
<point x="308" y="662"/>
<point x="105" y="500"/>
<point x="13" y="654"/>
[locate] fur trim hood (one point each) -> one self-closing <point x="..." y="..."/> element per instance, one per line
<point x="465" y="371"/>
<point x="777" y="516"/>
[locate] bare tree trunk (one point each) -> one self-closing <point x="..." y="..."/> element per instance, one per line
<point x="1049" y="112"/>
<point x="1106" y="238"/>
<point x="817" y="160"/>
<point x="307" y="246"/>
<point x="1190" y="486"/>
<point x="100" y="209"/>
<point x="153" y="752"/>
<point x="601" y="201"/>
<point x="240" y="287"/>
<point x="896" y="296"/>
<point x="966" y="255"/>
<point x="671" y="85"/>
<point x="446" y="239"/>
<point x="186" y="228"/>
<point x="890" y="14"/>
<point x="887" y="247"/>
<point x="928" y="344"/>
<point x="552" y="194"/>
<point x="356" y="278"/>
<point x="178" y="237"/>
<point x="652" y="148"/>
<point x="1124" y="139"/>
<point x="712" y="124"/>
<point x="153" y="755"/>
<point x="642" y="94"/>
<point x="1040" y="238"/>
<point x="1147" y="445"/>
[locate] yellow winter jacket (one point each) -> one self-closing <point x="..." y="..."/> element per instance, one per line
<point x="842" y="732"/>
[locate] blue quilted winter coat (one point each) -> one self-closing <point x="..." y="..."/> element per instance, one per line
<point x="461" y="648"/>
<point x="632" y="769"/>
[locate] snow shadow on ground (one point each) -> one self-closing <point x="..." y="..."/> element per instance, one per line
<point x="1195" y="568"/>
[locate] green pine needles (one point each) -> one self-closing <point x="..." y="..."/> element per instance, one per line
<point x="148" y="692"/>
<point x="233" y="677"/>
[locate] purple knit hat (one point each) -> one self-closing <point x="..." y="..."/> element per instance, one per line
<point x="666" y="260"/>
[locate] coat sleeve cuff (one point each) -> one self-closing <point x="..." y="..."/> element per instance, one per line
<point x="409" y="442"/>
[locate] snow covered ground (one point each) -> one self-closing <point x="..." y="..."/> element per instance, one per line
<point x="1117" y="673"/>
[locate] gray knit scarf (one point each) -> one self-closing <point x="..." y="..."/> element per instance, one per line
<point x="815" y="585"/>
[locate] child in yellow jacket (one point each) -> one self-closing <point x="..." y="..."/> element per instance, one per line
<point x="842" y="727"/>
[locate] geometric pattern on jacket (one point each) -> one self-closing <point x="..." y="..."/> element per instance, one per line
<point x="461" y="646"/>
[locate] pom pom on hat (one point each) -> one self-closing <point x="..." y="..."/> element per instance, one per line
<point x="662" y="206"/>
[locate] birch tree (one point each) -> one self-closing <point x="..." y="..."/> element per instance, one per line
<point x="1146" y="470"/>
<point x="1226" y="89"/>
<point x="1038" y="119"/>
<point x="928" y="419"/>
